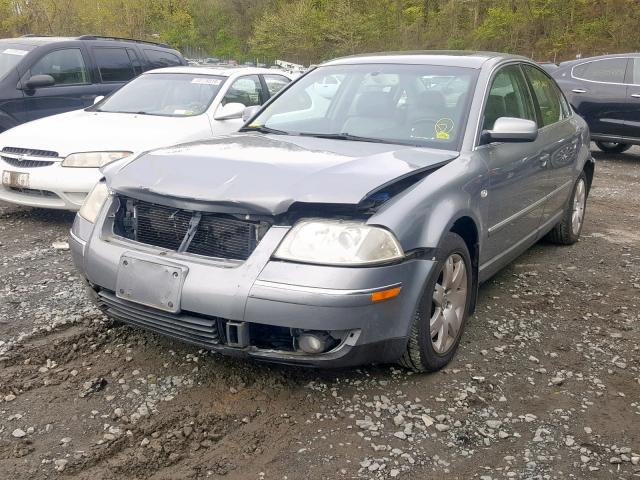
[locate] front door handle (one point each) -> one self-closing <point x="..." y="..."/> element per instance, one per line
<point x="544" y="159"/>
<point x="635" y="95"/>
<point x="578" y="90"/>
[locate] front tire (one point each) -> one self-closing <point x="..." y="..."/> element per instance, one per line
<point x="613" y="147"/>
<point x="567" y="231"/>
<point x="443" y="310"/>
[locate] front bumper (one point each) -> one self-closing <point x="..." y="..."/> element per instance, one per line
<point x="52" y="186"/>
<point x="262" y="292"/>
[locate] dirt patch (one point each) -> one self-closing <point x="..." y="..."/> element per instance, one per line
<point x="546" y="383"/>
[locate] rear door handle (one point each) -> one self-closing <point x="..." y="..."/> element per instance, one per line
<point x="578" y="90"/>
<point x="635" y="95"/>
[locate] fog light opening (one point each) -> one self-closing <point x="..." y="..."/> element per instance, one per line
<point x="314" y="342"/>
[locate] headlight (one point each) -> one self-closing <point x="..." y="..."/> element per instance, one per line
<point x="92" y="159"/>
<point x="94" y="201"/>
<point x="335" y="242"/>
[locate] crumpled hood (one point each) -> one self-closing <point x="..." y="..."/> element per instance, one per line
<point x="268" y="173"/>
<point x="82" y="131"/>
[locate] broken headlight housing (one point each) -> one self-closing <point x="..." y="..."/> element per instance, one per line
<point x="339" y="242"/>
<point x="94" y="201"/>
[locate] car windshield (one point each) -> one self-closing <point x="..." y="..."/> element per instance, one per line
<point x="10" y="56"/>
<point x="165" y="94"/>
<point x="423" y="105"/>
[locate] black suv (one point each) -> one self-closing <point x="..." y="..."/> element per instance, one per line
<point x="605" y="91"/>
<point x="41" y="76"/>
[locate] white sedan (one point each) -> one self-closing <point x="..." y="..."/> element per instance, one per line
<point x="54" y="162"/>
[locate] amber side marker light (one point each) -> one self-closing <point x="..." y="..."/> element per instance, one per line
<point x="385" y="294"/>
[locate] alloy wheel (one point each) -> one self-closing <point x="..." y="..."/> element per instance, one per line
<point x="579" y="200"/>
<point x="449" y="304"/>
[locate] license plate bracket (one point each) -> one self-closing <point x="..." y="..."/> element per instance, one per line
<point x="150" y="283"/>
<point x="15" y="179"/>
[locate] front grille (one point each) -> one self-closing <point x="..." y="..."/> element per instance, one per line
<point x="224" y="238"/>
<point x="207" y="234"/>
<point x="160" y="226"/>
<point x="30" y="152"/>
<point x="16" y="162"/>
<point x="200" y="330"/>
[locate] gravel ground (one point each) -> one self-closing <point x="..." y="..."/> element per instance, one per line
<point x="546" y="383"/>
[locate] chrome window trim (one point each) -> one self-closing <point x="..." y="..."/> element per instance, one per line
<point x="598" y="81"/>
<point x="476" y="143"/>
<point x="524" y="211"/>
<point x="485" y="95"/>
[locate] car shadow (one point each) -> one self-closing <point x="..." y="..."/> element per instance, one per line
<point x="630" y="156"/>
<point x="42" y="215"/>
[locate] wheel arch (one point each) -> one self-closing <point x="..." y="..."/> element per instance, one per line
<point x="467" y="228"/>
<point x="589" y="170"/>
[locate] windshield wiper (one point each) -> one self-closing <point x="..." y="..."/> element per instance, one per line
<point x="263" y="129"/>
<point x="347" y="136"/>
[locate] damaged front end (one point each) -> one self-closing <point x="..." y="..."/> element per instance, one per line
<point x="216" y="273"/>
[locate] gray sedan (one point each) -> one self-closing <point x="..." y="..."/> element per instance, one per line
<point x="351" y="220"/>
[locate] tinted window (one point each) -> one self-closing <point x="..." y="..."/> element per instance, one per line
<point x="611" y="70"/>
<point x="65" y="66"/>
<point x="114" y="64"/>
<point x="547" y="96"/>
<point x="508" y="97"/>
<point x="245" y="90"/>
<point x="135" y="61"/>
<point x="161" y="58"/>
<point x="275" y="83"/>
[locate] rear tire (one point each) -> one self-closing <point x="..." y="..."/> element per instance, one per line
<point x="613" y="147"/>
<point x="567" y="231"/>
<point x="443" y="310"/>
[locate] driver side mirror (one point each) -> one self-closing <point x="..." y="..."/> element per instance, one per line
<point x="511" y="130"/>
<point x="39" y="81"/>
<point x="229" y="111"/>
<point x="249" y="112"/>
<point x="98" y="99"/>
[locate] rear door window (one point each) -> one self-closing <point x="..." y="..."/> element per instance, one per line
<point x="611" y="70"/>
<point x="114" y="64"/>
<point x="135" y="61"/>
<point x="160" y="59"/>
<point x="66" y="66"/>
<point x="508" y="97"/>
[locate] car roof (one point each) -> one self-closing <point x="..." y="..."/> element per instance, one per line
<point x="35" y="40"/>
<point x="599" y="57"/>
<point x="452" y="58"/>
<point x="216" y="70"/>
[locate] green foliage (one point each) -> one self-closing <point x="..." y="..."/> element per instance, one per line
<point x="308" y="31"/>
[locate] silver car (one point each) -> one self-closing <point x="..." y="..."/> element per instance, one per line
<point x="343" y="225"/>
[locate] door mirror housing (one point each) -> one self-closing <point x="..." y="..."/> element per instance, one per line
<point x="511" y="130"/>
<point x="249" y="112"/>
<point x="98" y="99"/>
<point x="229" y="111"/>
<point x="39" y="81"/>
